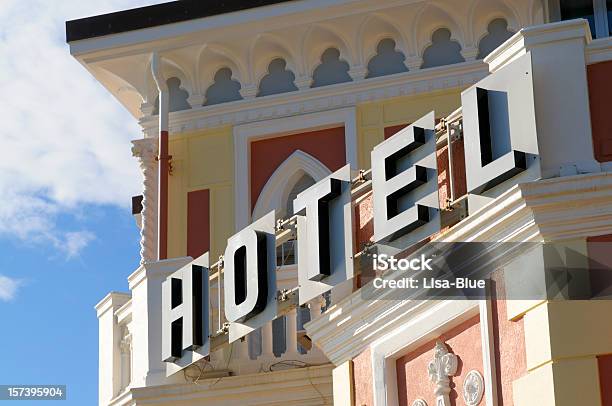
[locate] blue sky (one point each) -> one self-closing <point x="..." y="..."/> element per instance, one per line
<point x="66" y="176"/>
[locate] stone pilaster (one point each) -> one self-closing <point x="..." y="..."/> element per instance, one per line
<point x="146" y="151"/>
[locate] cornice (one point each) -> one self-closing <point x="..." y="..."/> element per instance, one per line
<point x="284" y="386"/>
<point x="444" y="78"/>
<point x="599" y="50"/>
<point x="531" y="37"/>
<point x="112" y="300"/>
<point x="552" y="209"/>
<point x="156" y="269"/>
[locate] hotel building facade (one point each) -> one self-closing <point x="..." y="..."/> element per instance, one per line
<point x="245" y="104"/>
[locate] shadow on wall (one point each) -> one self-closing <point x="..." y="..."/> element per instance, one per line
<point x="387" y="60"/>
<point x="331" y="70"/>
<point x="278" y="80"/>
<point x="442" y="51"/>
<point x="224" y="89"/>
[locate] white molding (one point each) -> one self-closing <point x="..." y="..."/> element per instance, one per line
<point x="341" y="95"/>
<point x="297" y="386"/>
<point x="440" y="317"/>
<point x="111" y="300"/>
<point x="276" y="190"/>
<point x="487" y="337"/>
<point x="599" y="50"/>
<point x="245" y="134"/>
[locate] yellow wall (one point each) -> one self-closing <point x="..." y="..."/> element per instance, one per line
<point x="373" y="117"/>
<point x="205" y="160"/>
<point x="202" y="160"/>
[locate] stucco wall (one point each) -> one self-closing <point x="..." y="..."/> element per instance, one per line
<point x="201" y="160"/>
<point x="372" y="118"/>
<point x="362" y="372"/>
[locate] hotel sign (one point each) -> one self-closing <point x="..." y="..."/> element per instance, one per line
<point x="500" y="142"/>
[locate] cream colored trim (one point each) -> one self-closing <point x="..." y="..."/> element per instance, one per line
<point x="487" y="337"/>
<point x="344" y="385"/>
<point x="276" y="190"/>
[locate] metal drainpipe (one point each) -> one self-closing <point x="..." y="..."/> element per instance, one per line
<point x="163" y="158"/>
<point x="451" y="183"/>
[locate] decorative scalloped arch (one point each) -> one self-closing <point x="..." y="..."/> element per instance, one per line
<point x="264" y="49"/>
<point x="482" y="12"/>
<point x="374" y="29"/>
<point x="218" y="57"/>
<point x="428" y="20"/>
<point x="319" y="38"/>
<point x="276" y="190"/>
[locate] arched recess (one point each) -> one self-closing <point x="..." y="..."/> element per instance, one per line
<point x="264" y="49"/>
<point x="430" y="19"/>
<point x="169" y="69"/>
<point x="213" y="57"/>
<point x="279" y="79"/>
<point x="497" y="33"/>
<point x="482" y="12"/>
<point x="276" y="191"/>
<point x="387" y="61"/>
<point x="374" y="29"/>
<point x="319" y="38"/>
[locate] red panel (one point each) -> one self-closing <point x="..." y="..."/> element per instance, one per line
<point x="198" y="222"/>
<point x="600" y="88"/>
<point x="604" y="363"/>
<point x="599" y="249"/>
<point x="392" y="130"/>
<point x="164" y="169"/>
<point x="267" y="155"/>
<point x="411" y="369"/>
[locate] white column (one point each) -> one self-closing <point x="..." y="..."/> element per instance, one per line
<point x="109" y="341"/>
<point x="315" y="308"/>
<point x="358" y="72"/>
<point x="241" y="350"/>
<point x="267" y="341"/>
<point x="126" y="359"/>
<point x="303" y="82"/>
<point x="291" y="334"/>
<point x="146" y="151"/>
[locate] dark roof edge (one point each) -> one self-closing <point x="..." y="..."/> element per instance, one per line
<point x="155" y="15"/>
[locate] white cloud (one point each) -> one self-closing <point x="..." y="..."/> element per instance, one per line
<point x="64" y="141"/>
<point x="75" y="241"/>
<point x="8" y="288"/>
